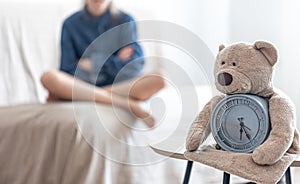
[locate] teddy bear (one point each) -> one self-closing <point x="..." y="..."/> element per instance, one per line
<point x="244" y="68"/>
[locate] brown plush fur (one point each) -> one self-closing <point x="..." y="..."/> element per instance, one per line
<point x="251" y="68"/>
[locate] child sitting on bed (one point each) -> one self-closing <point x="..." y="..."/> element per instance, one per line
<point x="92" y="68"/>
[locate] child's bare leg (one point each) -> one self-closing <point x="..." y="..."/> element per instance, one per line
<point x="140" y="88"/>
<point x="67" y="87"/>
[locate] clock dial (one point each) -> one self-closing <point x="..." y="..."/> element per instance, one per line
<point x="240" y="122"/>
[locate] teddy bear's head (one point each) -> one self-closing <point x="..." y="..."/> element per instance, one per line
<point x="245" y="68"/>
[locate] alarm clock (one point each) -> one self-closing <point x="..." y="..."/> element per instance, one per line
<point x="240" y="123"/>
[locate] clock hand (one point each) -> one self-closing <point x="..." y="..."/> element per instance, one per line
<point x="247" y="134"/>
<point x="246" y="127"/>
<point x="241" y="133"/>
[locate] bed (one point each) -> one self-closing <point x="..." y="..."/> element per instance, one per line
<point x="82" y="142"/>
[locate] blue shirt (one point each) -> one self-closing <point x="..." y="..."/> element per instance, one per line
<point x="81" y="39"/>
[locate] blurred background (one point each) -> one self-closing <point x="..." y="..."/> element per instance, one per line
<point x="215" y="22"/>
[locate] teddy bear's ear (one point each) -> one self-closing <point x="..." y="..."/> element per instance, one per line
<point x="268" y="50"/>
<point x="221" y="47"/>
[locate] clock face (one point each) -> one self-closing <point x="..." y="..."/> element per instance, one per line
<point x="240" y="122"/>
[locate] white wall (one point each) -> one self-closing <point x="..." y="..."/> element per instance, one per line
<point x="206" y="18"/>
<point x="252" y="20"/>
<point x="278" y="22"/>
<point x="288" y="72"/>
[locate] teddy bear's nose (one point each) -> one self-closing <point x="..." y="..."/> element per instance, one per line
<point x="225" y="79"/>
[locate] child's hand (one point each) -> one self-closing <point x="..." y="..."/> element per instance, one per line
<point x="85" y="64"/>
<point x="125" y="53"/>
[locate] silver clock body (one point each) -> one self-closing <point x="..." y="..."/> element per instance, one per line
<point x="240" y="122"/>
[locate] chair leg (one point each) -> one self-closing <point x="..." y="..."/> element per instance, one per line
<point x="188" y="172"/>
<point x="288" y="178"/>
<point x="226" y="178"/>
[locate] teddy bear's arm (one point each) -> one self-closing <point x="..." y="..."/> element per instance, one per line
<point x="200" y="128"/>
<point x="281" y="135"/>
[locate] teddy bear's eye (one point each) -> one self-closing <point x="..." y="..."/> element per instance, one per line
<point x="223" y="63"/>
<point x="233" y="64"/>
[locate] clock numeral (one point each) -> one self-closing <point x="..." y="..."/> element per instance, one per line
<point x="253" y="107"/>
<point x="247" y="102"/>
<point x="260" y="120"/>
<point x="234" y="146"/>
<point x="262" y="132"/>
<point x="229" y="103"/>
<point x="235" y="102"/>
<point x="253" y="142"/>
<point x="224" y="107"/>
<point x="248" y="145"/>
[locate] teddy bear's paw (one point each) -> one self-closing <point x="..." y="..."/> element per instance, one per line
<point x="262" y="158"/>
<point x="192" y="145"/>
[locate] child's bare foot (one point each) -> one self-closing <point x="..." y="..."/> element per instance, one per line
<point x="140" y="113"/>
<point x="51" y="97"/>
